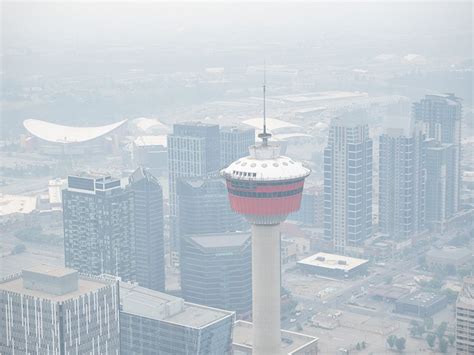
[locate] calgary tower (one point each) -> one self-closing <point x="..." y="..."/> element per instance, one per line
<point x="265" y="187"/>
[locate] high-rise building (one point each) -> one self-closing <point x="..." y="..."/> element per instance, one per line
<point x="115" y="227"/>
<point x="193" y="151"/>
<point x="235" y="142"/>
<point x="441" y="117"/>
<point x="204" y="207"/>
<point x="465" y="318"/>
<point x="265" y="187"/>
<point x="216" y="271"/>
<point x="402" y="177"/>
<point x="440" y="183"/>
<point x="149" y="253"/>
<point x="348" y="186"/>
<point x="152" y="322"/>
<point x="55" y="310"/>
<point x="98" y="227"/>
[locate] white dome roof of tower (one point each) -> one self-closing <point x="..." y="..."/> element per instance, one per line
<point x="272" y="168"/>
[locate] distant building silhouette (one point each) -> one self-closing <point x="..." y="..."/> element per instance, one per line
<point x="193" y="151"/>
<point x="235" y="143"/>
<point x="149" y="243"/>
<point x="216" y="270"/>
<point x="204" y="207"/>
<point x="441" y="183"/>
<point x="55" y="310"/>
<point x="348" y="186"/>
<point x="402" y="184"/>
<point x="441" y="117"/>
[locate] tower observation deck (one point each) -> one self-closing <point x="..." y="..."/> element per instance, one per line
<point x="265" y="187"/>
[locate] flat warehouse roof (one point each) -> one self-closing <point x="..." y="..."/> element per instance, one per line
<point x="333" y="261"/>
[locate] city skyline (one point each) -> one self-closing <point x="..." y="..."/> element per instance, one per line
<point x="236" y="178"/>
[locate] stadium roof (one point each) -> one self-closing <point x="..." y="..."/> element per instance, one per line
<point x="272" y="123"/>
<point x="56" y="133"/>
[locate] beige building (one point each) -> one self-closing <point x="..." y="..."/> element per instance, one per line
<point x="465" y="318"/>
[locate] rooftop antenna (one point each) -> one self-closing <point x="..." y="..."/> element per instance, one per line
<point x="264" y="136"/>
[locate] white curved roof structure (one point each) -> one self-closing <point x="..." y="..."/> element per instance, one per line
<point x="272" y="124"/>
<point x="56" y="133"/>
<point x="265" y="164"/>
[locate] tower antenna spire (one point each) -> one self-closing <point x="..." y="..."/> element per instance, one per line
<point x="264" y="136"/>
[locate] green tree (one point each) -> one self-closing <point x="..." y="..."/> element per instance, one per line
<point x="391" y="340"/>
<point x="364" y="345"/>
<point x="18" y="249"/>
<point x="358" y="346"/>
<point x="430" y="339"/>
<point x="441" y="330"/>
<point x="450" y="295"/>
<point x="428" y="322"/>
<point x="451" y="339"/>
<point x="299" y="327"/>
<point x="443" y="345"/>
<point x="400" y="343"/>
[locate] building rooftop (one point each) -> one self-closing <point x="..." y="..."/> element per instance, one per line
<point x="450" y="253"/>
<point x="150" y="125"/>
<point x="16" y="204"/>
<point x="389" y="291"/>
<point x="142" y="141"/>
<point x="466" y="296"/>
<point x="160" y="306"/>
<point x="333" y="261"/>
<point x="86" y="284"/>
<point x="421" y="299"/>
<point x="56" y="133"/>
<point x="291" y="342"/>
<point x="228" y="240"/>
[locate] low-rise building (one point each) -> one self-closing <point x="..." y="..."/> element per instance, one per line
<point x="420" y="304"/>
<point x="153" y="322"/>
<point x="449" y="256"/>
<point x="291" y="343"/>
<point x="332" y="265"/>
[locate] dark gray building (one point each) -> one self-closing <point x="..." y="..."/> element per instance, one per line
<point x="311" y="212"/>
<point x="441" y="117"/>
<point x="55" y="310"/>
<point x="149" y="253"/>
<point x="216" y="270"/>
<point x="98" y="227"/>
<point x="235" y="143"/>
<point x="402" y="184"/>
<point x="421" y="304"/>
<point x="348" y="185"/>
<point x="204" y="207"/>
<point x="152" y="322"/>
<point x="193" y="151"/>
